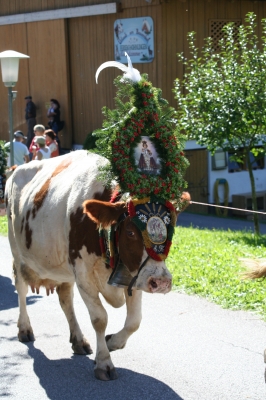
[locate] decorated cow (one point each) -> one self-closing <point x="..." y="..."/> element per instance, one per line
<point x="104" y="222"/>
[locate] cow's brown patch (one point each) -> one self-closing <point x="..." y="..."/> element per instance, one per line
<point x="130" y="245"/>
<point x="27" y="215"/>
<point x="28" y="231"/>
<point x="130" y="239"/>
<point x="41" y="195"/>
<point x="82" y="232"/>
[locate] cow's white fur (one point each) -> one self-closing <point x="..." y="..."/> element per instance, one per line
<point x="48" y="252"/>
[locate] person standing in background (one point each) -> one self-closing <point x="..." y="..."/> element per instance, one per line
<point x="51" y="142"/>
<point x="30" y="116"/>
<point x="21" y="152"/>
<point x="53" y="115"/>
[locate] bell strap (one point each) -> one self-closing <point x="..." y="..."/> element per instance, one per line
<point x="129" y="289"/>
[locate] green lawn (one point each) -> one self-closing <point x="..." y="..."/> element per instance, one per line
<point x="3" y="225"/>
<point x="206" y="262"/>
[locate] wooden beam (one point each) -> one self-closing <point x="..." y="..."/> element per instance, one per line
<point x="72" y="12"/>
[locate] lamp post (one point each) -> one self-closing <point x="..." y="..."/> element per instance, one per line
<point x="9" y="67"/>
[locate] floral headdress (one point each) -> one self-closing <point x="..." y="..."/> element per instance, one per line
<point x="145" y="116"/>
<point x="153" y="173"/>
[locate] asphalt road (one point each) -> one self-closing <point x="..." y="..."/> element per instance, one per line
<point x="210" y="221"/>
<point x="185" y="349"/>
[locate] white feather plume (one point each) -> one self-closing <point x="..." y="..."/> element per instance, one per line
<point x="129" y="72"/>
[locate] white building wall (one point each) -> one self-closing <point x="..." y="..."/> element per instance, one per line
<point x="238" y="182"/>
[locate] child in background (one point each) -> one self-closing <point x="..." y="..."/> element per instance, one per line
<point x="38" y="131"/>
<point x="43" y="152"/>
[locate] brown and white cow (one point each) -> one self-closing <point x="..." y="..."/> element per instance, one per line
<point x="53" y="208"/>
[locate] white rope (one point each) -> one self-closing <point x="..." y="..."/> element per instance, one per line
<point x="230" y="208"/>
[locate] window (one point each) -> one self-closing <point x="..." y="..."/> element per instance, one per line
<point x="237" y="161"/>
<point x="219" y="160"/>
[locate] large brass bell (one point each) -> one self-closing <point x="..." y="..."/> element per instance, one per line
<point x="120" y="277"/>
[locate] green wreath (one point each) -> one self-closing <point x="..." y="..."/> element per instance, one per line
<point x="146" y="114"/>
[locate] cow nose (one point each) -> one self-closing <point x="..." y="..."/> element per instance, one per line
<point x="160" y="285"/>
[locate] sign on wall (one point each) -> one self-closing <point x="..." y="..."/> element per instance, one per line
<point x="134" y="36"/>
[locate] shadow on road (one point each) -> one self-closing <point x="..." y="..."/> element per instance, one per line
<point x="9" y="297"/>
<point x="74" y="379"/>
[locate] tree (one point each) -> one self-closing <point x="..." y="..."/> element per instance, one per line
<point x="222" y="98"/>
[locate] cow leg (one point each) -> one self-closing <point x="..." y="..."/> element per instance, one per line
<point x="25" y="332"/>
<point x="104" y="368"/>
<point x="132" y="322"/>
<point x="80" y="344"/>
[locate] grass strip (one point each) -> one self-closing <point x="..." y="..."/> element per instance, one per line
<point x="3" y="225"/>
<point x="206" y="262"/>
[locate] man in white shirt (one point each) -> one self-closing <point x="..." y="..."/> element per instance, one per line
<point x="21" y="152"/>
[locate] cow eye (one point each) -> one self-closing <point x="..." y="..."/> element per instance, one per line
<point x="130" y="233"/>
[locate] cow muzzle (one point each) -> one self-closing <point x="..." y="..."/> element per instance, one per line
<point x="154" y="278"/>
<point x="159" y="285"/>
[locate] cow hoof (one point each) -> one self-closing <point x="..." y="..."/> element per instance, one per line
<point x="82" y="350"/>
<point x="82" y="347"/>
<point x="26" y="336"/>
<point x="112" y="346"/>
<point x="105" y="375"/>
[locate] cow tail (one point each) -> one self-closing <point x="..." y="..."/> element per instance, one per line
<point x="255" y="269"/>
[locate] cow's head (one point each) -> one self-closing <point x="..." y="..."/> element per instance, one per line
<point x="151" y="275"/>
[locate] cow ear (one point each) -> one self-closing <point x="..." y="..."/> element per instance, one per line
<point x="103" y="213"/>
<point x="185" y="201"/>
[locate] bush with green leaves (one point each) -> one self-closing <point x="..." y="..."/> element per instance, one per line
<point x="222" y="98"/>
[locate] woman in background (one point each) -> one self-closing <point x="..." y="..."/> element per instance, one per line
<point x="54" y="116"/>
<point x="51" y="142"/>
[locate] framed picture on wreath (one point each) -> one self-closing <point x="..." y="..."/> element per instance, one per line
<point x="146" y="157"/>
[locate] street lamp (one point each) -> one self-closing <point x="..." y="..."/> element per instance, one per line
<point x="9" y="67"/>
